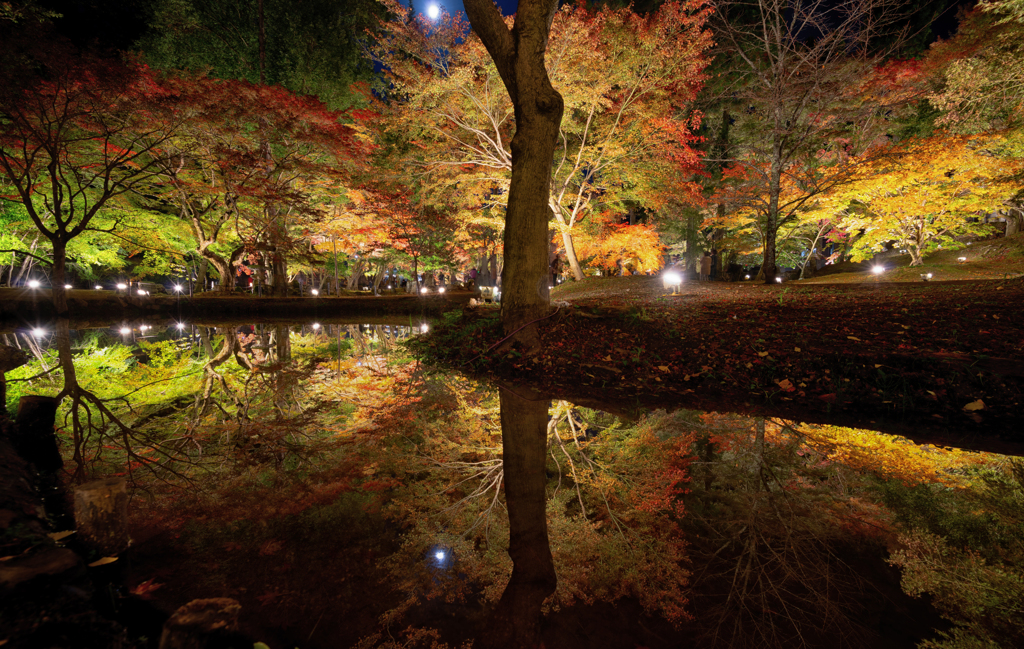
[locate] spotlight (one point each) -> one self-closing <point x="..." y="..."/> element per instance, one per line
<point x="180" y="325"/>
<point x="177" y="288"/>
<point x="98" y="287"/>
<point x="878" y="270"/>
<point x="440" y="289"/>
<point x="316" y="325"/>
<point x="68" y="286"/>
<point x="424" y="290"/>
<point x="125" y="331"/>
<point x="33" y="283"/>
<point x="39" y="332"/>
<point x="672" y="280"/>
<point x="424" y="327"/>
<point x="315" y="292"/>
<point x="122" y="287"/>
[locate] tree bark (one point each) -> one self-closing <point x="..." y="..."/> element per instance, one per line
<point x="518" y="55"/>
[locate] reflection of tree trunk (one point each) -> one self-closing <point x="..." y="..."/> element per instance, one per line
<point x="284" y="344"/>
<point x="524" y="444"/>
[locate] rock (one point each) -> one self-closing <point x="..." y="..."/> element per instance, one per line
<point x="46" y="562"/>
<point x="201" y="624"/>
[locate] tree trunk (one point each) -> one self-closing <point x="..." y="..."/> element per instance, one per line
<point x="771" y="227"/>
<point x="519" y="57"/>
<point x="568" y="244"/>
<point x="516" y="619"/>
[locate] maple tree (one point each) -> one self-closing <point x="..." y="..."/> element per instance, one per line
<point x="625" y="136"/>
<point x="266" y="166"/>
<point x="807" y="104"/>
<point x="978" y="71"/>
<point x="929" y="194"/>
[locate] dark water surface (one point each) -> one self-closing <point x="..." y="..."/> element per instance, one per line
<point x="345" y="494"/>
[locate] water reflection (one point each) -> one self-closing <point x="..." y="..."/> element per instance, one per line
<point x="721" y="529"/>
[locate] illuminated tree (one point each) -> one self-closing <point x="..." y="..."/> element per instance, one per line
<point x="930" y="193"/>
<point x="625" y="136"/>
<point x="801" y="72"/>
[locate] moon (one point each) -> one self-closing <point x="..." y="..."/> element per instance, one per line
<point x="433" y="11"/>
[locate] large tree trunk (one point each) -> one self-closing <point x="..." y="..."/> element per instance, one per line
<point x="519" y="56"/>
<point x="516" y="620"/>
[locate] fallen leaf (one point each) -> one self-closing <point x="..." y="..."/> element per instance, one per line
<point x="663" y="368"/>
<point x="796" y="349"/>
<point x="975" y="405"/>
<point x="145" y="588"/>
<point x="762" y="354"/>
<point x="785" y="384"/>
<point x="854" y="338"/>
<point x="57" y="536"/>
<point x="827" y="397"/>
<point x="102" y="562"/>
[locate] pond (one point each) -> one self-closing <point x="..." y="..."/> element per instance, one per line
<point x="345" y="494"/>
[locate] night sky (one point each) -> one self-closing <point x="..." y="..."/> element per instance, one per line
<point x="119" y="24"/>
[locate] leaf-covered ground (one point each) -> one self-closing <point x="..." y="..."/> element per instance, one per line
<point x="934" y="361"/>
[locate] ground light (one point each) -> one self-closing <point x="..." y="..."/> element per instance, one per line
<point x="180" y="326"/>
<point x="315" y="292"/>
<point x="98" y="287"/>
<point x="424" y="290"/>
<point x="33" y="283"/>
<point x="68" y="286"/>
<point x="177" y="288"/>
<point x="778" y="280"/>
<point x="672" y="280"/>
<point x="440" y="289"/>
<point x="125" y="331"/>
<point x="316" y="326"/>
<point x="878" y="270"/>
<point x="122" y="287"/>
<point x="961" y="259"/>
<point x="746" y="277"/>
<point x="39" y="332"/>
<point x="424" y="327"/>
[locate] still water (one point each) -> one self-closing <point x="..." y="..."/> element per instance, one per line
<point x="348" y="495"/>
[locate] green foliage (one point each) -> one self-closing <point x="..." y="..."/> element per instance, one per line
<point x="965" y="548"/>
<point x="312" y="48"/>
